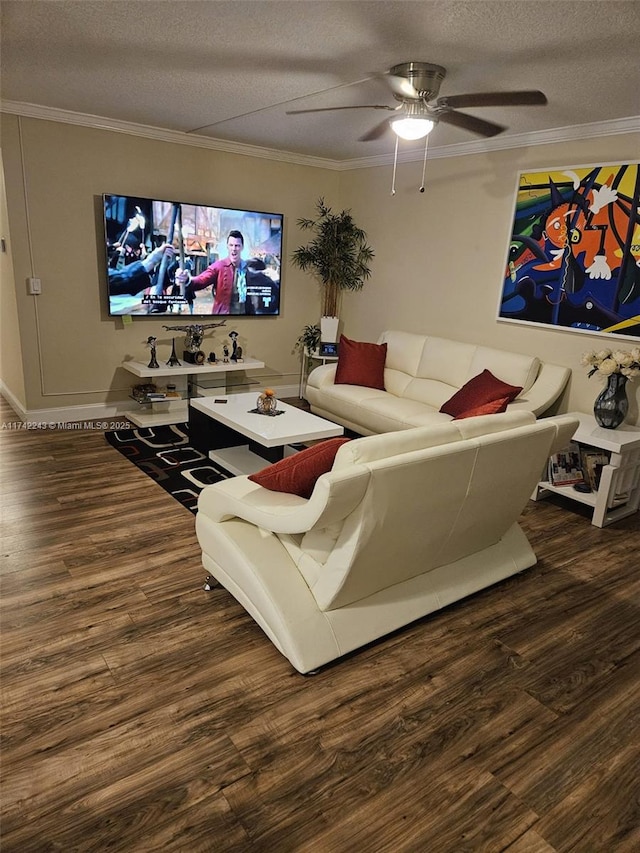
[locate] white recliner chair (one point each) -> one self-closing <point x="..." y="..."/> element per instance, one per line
<point x="405" y="523"/>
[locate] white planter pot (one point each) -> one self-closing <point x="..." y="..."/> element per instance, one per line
<point x="329" y="329"/>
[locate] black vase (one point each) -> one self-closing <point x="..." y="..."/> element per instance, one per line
<point x="611" y="405"/>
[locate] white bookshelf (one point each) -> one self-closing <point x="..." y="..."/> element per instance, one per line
<point x="618" y="493"/>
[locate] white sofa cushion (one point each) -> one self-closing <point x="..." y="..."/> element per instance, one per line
<point x="429" y="392"/>
<point x="404" y="351"/>
<point x="514" y="368"/>
<point x="445" y="360"/>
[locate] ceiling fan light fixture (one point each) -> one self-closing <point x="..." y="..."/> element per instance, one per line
<point x="412" y="127"/>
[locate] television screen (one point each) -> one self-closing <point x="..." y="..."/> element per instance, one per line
<point x="166" y="257"/>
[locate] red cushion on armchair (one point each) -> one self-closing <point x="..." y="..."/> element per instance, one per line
<point x="297" y="474"/>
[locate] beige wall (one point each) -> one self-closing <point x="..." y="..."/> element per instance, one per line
<point x="72" y="349"/>
<point x="435" y="270"/>
<point x="440" y="255"/>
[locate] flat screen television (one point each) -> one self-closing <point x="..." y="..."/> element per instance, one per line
<point x="220" y="261"/>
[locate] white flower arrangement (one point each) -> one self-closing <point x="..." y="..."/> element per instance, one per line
<point x="606" y="362"/>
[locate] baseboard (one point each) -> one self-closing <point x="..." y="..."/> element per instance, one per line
<point x="13" y="401"/>
<point x="97" y="412"/>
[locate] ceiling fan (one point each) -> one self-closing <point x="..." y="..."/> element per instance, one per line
<point x="416" y="86"/>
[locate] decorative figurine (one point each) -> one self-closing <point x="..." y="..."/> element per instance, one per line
<point x="225" y="354"/>
<point x="193" y="338"/>
<point x="151" y="343"/>
<point x="234" y="343"/>
<point x="236" y="352"/>
<point x="173" y="358"/>
<point x="212" y="358"/>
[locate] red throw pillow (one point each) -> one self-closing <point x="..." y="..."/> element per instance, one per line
<point x="483" y="388"/>
<point x="361" y="364"/>
<point x="297" y="474"/>
<point x="492" y="408"/>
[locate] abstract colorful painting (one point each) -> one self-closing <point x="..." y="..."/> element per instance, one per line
<point x="573" y="260"/>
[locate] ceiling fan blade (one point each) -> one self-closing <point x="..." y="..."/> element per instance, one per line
<point x="467" y="122"/>
<point x="528" y="97"/>
<point x="331" y="109"/>
<point x="375" y="132"/>
<point x="401" y="86"/>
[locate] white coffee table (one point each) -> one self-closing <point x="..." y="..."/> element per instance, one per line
<point x="245" y="441"/>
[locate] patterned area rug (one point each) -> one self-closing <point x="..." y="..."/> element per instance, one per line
<point x="164" y="454"/>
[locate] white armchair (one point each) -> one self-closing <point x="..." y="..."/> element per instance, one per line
<point x="405" y="523"/>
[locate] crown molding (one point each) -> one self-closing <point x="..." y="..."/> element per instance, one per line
<point x="161" y="134"/>
<point x="615" y="127"/>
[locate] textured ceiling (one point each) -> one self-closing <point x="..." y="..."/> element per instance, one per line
<point x="231" y="69"/>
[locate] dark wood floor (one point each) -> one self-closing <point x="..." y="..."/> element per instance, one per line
<point x="141" y="713"/>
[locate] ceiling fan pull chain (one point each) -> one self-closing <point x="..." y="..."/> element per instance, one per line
<point x="395" y="163"/>
<point x="424" y="164"/>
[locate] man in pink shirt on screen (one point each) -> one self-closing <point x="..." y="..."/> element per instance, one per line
<point x="222" y="275"/>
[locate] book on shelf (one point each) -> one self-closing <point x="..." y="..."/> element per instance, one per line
<point x="565" y="466"/>
<point x="593" y="461"/>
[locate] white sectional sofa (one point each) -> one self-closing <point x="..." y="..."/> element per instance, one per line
<point x="403" y="524"/>
<point x="421" y="373"/>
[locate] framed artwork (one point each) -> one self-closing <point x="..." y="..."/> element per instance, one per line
<point x="573" y="260"/>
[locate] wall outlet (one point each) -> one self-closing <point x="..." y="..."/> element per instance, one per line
<point x="34" y="286"/>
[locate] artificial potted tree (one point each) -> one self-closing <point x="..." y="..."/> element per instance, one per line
<point x="338" y="257"/>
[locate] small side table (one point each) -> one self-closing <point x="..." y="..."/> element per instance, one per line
<point x="618" y="493"/>
<point x="314" y="356"/>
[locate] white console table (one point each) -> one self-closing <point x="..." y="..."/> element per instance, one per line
<point x="618" y="494"/>
<point x="174" y="410"/>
